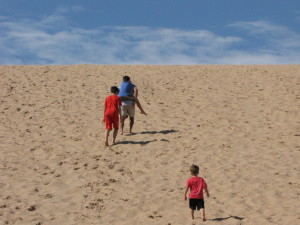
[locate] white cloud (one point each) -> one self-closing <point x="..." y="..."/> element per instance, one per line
<point x="277" y="36"/>
<point x="43" y="42"/>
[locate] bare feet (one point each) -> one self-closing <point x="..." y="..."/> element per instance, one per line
<point x="106" y="143"/>
<point x="143" y="112"/>
<point x="203" y="219"/>
<point x="122" y="132"/>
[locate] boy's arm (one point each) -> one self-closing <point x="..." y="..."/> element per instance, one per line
<point x="104" y="112"/>
<point x="119" y="110"/>
<point x="185" y="193"/>
<point x="206" y="191"/>
<point x="120" y="115"/>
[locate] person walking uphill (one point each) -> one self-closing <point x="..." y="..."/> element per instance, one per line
<point x="196" y="185"/>
<point x="112" y="112"/>
<point x="128" y="94"/>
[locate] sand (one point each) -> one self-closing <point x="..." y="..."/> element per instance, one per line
<point x="240" y="124"/>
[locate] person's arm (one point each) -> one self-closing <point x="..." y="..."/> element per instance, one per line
<point x="135" y="92"/>
<point x="120" y="115"/>
<point x="119" y="110"/>
<point x="185" y="193"/>
<point x="104" y="112"/>
<point x="206" y="191"/>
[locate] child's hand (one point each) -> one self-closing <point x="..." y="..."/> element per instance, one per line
<point x="185" y="198"/>
<point x="207" y="194"/>
<point x="103" y="120"/>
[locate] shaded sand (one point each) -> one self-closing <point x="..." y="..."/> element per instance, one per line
<point x="239" y="123"/>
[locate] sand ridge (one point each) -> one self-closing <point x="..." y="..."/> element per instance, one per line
<point x="239" y="123"/>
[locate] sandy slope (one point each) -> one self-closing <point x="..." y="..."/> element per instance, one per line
<point x="239" y="123"/>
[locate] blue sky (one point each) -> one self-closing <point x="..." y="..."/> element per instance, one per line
<point x="172" y="32"/>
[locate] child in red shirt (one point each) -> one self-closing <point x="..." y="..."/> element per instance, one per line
<point x="196" y="185"/>
<point x="112" y="111"/>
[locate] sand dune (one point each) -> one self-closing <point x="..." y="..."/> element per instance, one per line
<point x="239" y="123"/>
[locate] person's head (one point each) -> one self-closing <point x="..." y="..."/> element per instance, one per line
<point x="126" y="78"/>
<point x="114" y="90"/>
<point x="194" y="170"/>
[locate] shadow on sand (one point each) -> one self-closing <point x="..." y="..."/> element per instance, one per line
<point x="146" y="132"/>
<point x="134" y="142"/>
<point x="155" y="132"/>
<point x="226" y="218"/>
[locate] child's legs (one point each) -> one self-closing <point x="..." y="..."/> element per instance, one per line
<point x="136" y="93"/>
<point x="202" y="210"/>
<point x="192" y="213"/>
<point x="140" y="106"/>
<point x="137" y="102"/>
<point x="193" y="206"/>
<point x="116" y="126"/>
<point x="108" y="123"/>
<point x="115" y="133"/>
<point x="106" y="136"/>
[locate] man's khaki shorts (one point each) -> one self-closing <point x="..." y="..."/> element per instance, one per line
<point x="127" y="110"/>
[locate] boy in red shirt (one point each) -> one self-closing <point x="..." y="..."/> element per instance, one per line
<point x="196" y="185"/>
<point x="112" y="112"/>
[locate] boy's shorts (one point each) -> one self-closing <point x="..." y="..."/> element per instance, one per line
<point x="127" y="110"/>
<point x="196" y="203"/>
<point x="112" y="121"/>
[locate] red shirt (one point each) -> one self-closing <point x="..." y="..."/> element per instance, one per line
<point x="196" y="185"/>
<point x="112" y="102"/>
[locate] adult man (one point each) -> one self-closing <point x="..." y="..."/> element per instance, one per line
<point x="128" y="94"/>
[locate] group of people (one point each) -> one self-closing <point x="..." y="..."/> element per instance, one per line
<point x="121" y="105"/>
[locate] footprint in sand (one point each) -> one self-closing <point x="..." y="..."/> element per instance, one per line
<point x="31" y="208"/>
<point x="47" y="196"/>
<point x="112" y="181"/>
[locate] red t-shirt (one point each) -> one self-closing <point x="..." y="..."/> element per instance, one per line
<point x="196" y="185"/>
<point x="112" y="102"/>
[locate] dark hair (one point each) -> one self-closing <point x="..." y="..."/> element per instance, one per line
<point x="126" y="78"/>
<point x="194" y="169"/>
<point x="114" y="90"/>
